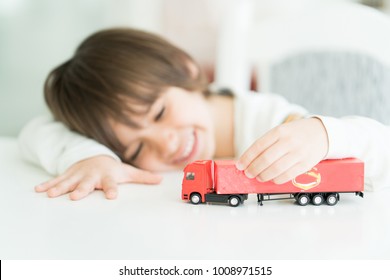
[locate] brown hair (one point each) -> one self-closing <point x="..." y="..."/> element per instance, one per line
<point x="110" y="67"/>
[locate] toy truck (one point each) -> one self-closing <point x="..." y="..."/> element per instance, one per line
<point x="220" y="181"/>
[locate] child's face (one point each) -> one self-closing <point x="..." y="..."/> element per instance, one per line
<point x="178" y="129"/>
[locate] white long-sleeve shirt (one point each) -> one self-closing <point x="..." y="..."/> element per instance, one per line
<point x="54" y="147"/>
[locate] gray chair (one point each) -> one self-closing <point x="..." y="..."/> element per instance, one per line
<point x="335" y="83"/>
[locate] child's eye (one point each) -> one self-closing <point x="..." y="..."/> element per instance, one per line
<point x="137" y="152"/>
<point x="160" y="114"/>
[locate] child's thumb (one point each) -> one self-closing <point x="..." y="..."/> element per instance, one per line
<point x="134" y="175"/>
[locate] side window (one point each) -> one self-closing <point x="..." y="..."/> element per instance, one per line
<point x="190" y="176"/>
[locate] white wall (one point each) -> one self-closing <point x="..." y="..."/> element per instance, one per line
<point x="36" y="35"/>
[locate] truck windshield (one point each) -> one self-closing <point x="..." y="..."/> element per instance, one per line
<point x="190" y="176"/>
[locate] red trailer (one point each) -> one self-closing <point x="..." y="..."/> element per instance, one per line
<point x="220" y="181"/>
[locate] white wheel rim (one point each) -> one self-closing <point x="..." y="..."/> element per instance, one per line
<point x="317" y="200"/>
<point x="304" y="200"/>
<point x="234" y="201"/>
<point x="195" y="199"/>
<point x="332" y="199"/>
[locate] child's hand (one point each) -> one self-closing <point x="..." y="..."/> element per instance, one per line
<point x="100" y="173"/>
<point x="286" y="151"/>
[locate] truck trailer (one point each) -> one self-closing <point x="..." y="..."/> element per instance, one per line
<point x="220" y="181"/>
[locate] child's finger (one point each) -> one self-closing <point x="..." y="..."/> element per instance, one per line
<point x="61" y="188"/>
<point x="265" y="160"/>
<point x="146" y="177"/>
<point x="84" y="188"/>
<point x="256" y="149"/>
<point x="135" y="175"/>
<point x="42" y="187"/>
<point x="278" y="168"/>
<point x="290" y="173"/>
<point x="110" y="188"/>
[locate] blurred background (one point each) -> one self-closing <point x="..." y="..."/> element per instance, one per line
<point x="241" y="44"/>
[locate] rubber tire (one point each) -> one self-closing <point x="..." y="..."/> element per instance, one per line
<point x="303" y="199"/>
<point x="317" y="199"/>
<point x="332" y="199"/>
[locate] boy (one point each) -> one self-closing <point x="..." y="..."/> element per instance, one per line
<point x="129" y="102"/>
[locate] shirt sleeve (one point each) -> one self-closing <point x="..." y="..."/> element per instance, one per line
<point x="365" y="139"/>
<point x="54" y="147"/>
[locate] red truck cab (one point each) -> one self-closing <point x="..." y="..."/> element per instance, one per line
<point x="197" y="181"/>
<point x="199" y="184"/>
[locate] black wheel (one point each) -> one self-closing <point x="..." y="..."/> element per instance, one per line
<point x="195" y="198"/>
<point x="317" y="199"/>
<point x="234" y="201"/>
<point x="332" y="199"/>
<point x="303" y="199"/>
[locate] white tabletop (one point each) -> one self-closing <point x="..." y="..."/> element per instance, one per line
<point x="152" y="222"/>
